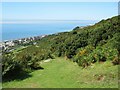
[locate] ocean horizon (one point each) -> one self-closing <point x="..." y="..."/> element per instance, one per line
<point x="13" y="31"/>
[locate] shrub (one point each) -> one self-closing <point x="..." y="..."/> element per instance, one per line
<point x="9" y="65"/>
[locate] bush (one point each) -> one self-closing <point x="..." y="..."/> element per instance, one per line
<point x="84" y="57"/>
<point x="9" y="65"/>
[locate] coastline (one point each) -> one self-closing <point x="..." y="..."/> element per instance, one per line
<point x="23" y="38"/>
<point x="46" y="34"/>
<point x="9" y="44"/>
<point x="18" y="31"/>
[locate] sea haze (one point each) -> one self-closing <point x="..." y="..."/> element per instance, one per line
<point x="11" y="31"/>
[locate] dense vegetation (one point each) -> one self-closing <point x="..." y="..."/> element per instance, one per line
<point x="97" y="43"/>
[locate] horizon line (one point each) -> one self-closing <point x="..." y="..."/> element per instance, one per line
<point x="35" y="21"/>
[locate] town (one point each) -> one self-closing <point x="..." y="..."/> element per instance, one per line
<point x="7" y="46"/>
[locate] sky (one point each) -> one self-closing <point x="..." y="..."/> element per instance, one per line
<point x="60" y="0"/>
<point x="58" y="10"/>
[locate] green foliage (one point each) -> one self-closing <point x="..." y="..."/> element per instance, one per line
<point x="84" y="57"/>
<point x="13" y="65"/>
<point x="9" y="65"/>
<point x="88" y="55"/>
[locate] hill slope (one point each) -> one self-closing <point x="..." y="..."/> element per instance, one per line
<point x="85" y="46"/>
<point x="60" y="73"/>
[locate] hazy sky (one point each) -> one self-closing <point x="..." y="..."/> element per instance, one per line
<point x="58" y="10"/>
<point x="60" y="0"/>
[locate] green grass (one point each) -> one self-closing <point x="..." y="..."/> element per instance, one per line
<point x="60" y="73"/>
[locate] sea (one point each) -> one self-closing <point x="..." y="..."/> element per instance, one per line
<point x="13" y="31"/>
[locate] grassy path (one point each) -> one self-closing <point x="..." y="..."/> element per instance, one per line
<point x="60" y="73"/>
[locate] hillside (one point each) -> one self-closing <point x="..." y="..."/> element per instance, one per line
<point x="60" y="73"/>
<point x="86" y="46"/>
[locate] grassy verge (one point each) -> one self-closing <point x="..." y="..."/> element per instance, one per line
<point x="60" y="73"/>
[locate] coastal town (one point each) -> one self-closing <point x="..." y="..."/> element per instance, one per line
<point x="8" y="45"/>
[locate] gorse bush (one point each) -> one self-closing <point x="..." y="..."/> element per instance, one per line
<point x="84" y="57"/>
<point x="9" y="65"/>
<point x="103" y="54"/>
<point x="88" y="55"/>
